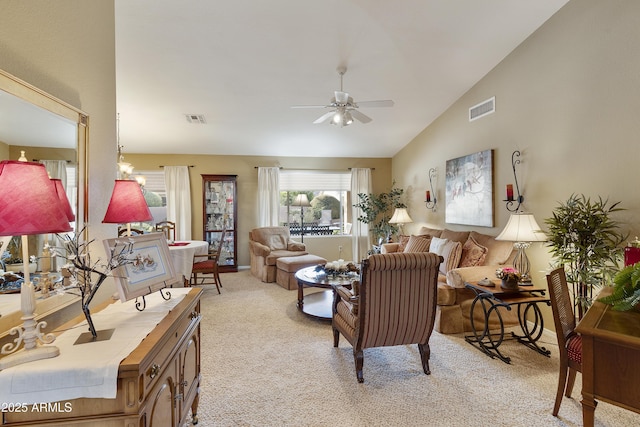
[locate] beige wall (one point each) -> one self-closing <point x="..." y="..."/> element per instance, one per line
<point x="67" y="48"/>
<point x="244" y="167"/>
<point x="567" y="98"/>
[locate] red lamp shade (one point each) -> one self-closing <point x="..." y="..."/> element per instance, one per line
<point x="127" y="204"/>
<point x="29" y="203"/>
<point x="64" y="200"/>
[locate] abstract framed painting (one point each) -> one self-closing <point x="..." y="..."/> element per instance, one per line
<point x="469" y="189"/>
<point x="149" y="267"/>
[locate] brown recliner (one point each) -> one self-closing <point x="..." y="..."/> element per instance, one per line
<point x="266" y="245"/>
<point x="394" y="303"/>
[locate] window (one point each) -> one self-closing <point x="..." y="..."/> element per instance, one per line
<point x="155" y="194"/>
<point x="329" y="199"/>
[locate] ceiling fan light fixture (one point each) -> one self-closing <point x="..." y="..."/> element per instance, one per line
<point x="347" y="120"/>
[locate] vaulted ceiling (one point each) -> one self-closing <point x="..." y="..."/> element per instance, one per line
<point x="242" y="64"/>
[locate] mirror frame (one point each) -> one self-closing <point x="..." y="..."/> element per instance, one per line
<point x="40" y="98"/>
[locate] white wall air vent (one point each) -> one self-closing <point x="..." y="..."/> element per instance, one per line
<point x="482" y="109"/>
<point x="196" y="118"/>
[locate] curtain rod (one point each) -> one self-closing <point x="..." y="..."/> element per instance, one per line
<point x="189" y="166"/>
<point x="303" y="169"/>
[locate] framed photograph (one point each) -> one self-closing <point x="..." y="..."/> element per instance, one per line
<point x="150" y="268"/>
<point x="469" y="189"/>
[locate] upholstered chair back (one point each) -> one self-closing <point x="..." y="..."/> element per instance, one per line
<point x="398" y="298"/>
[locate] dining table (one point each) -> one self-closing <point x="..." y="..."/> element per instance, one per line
<point x="182" y="254"/>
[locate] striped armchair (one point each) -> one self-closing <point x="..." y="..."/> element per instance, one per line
<point x="394" y="303"/>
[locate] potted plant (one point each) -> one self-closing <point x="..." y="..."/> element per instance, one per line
<point x="586" y="241"/>
<point x="510" y="278"/>
<point x="377" y="210"/>
<point x="626" y="289"/>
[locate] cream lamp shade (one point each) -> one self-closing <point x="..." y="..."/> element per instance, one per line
<point x="301" y="200"/>
<point x="522" y="227"/>
<point x="400" y="216"/>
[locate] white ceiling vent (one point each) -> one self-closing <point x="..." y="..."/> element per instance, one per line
<point x="196" y="118"/>
<point x="482" y="109"/>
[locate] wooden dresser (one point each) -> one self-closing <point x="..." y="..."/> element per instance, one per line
<point x="158" y="383"/>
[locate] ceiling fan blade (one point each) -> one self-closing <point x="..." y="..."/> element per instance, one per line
<point x="361" y="117"/>
<point x="310" y="106"/>
<point x="381" y="103"/>
<point x="324" y="117"/>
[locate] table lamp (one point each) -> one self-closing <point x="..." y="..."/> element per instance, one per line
<point x="400" y="216"/>
<point x="30" y="205"/>
<point x="127" y="205"/>
<point x="522" y="229"/>
<point x="302" y="201"/>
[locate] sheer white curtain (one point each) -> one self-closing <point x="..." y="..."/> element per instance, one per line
<point x="178" y="187"/>
<point x="268" y="196"/>
<point x="360" y="183"/>
<point x="56" y="169"/>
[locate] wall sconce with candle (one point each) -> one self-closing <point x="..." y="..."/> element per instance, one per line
<point x="519" y="198"/>
<point x="430" y="196"/>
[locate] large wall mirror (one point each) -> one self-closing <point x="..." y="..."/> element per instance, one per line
<point x="50" y="131"/>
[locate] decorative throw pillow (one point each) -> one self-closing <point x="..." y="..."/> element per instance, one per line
<point x="402" y="243"/>
<point x="451" y="252"/>
<point x="473" y="253"/>
<point x="418" y="244"/>
<point x="437" y="244"/>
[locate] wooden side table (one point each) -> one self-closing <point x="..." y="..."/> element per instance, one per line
<point x="525" y="299"/>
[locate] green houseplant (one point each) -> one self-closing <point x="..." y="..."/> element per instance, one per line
<point x="377" y="210"/>
<point x="586" y="241"/>
<point x="626" y="289"/>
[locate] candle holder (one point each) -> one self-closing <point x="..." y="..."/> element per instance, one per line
<point x="511" y="200"/>
<point x="431" y="204"/>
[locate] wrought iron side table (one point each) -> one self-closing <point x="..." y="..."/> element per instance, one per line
<point x="525" y="299"/>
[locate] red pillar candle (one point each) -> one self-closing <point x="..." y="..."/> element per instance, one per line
<point x="509" y="192"/>
<point x="428" y="196"/>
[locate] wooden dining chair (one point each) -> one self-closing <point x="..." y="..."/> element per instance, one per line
<point x="207" y="266"/>
<point x="168" y="228"/>
<point x="569" y="342"/>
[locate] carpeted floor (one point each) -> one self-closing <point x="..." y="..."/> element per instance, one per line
<point x="266" y="364"/>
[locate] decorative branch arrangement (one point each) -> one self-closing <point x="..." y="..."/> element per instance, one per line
<point x="87" y="275"/>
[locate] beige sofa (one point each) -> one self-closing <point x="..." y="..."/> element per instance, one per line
<point x="266" y="245"/>
<point x="468" y="256"/>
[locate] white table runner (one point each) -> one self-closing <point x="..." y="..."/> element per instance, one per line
<point x="87" y="370"/>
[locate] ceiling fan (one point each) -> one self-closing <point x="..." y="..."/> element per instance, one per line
<point x="344" y="108"/>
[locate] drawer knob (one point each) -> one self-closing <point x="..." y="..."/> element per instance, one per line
<point x="194" y="315"/>
<point x="154" y="371"/>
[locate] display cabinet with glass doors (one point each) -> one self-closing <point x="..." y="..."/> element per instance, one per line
<point x="220" y="215"/>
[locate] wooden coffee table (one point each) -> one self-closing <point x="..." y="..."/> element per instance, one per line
<point x="318" y="304"/>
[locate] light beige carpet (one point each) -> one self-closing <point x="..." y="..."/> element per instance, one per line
<point x="266" y="364"/>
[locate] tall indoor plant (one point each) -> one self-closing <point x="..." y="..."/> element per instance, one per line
<point x="587" y="242"/>
<point x="377" y="210"/>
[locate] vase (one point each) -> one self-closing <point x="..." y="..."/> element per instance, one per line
<point x="509" y="284"/>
